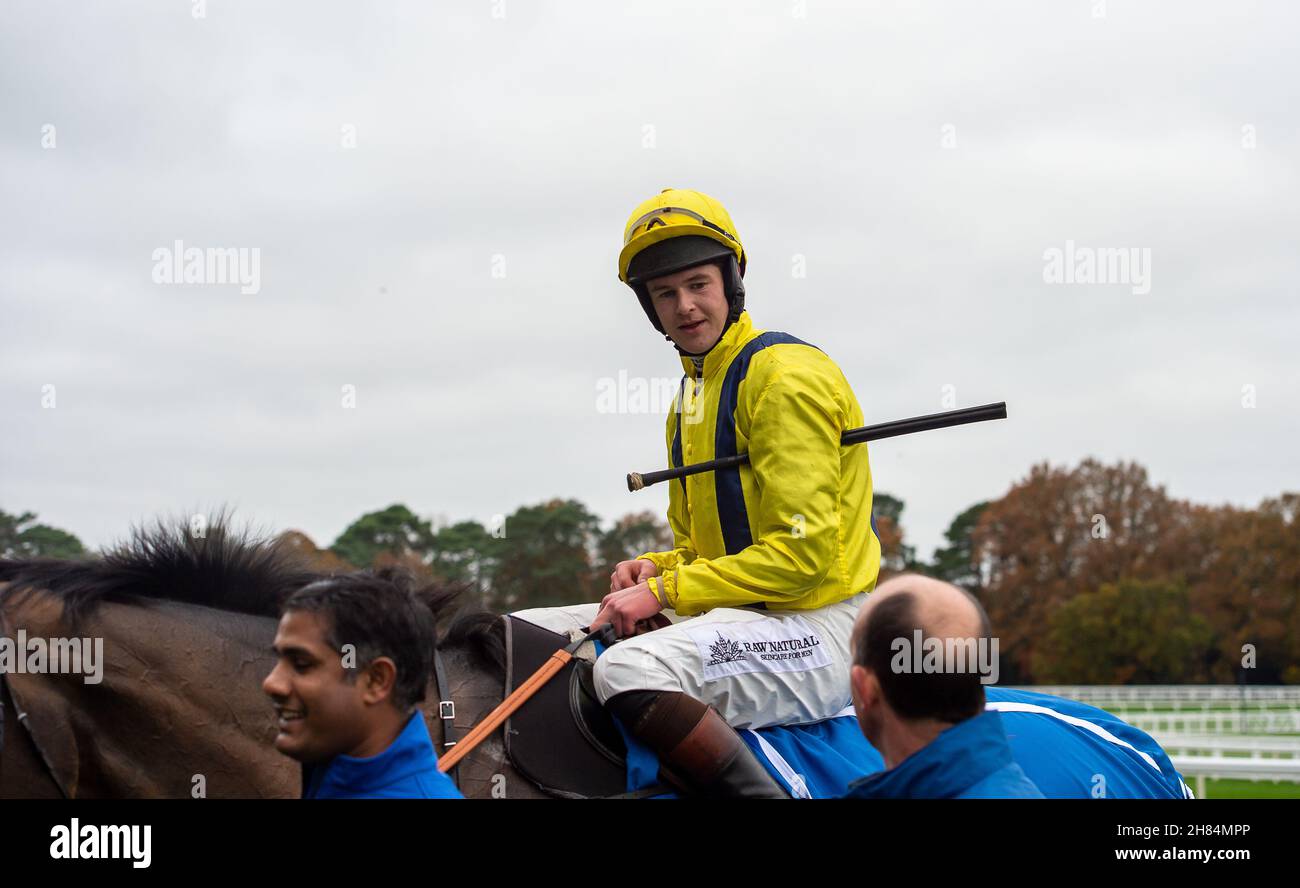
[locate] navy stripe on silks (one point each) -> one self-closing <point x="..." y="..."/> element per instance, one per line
<point x="675" y="456"/>
<point x="732" y="514"/>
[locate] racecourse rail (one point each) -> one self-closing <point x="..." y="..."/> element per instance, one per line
<point x="1176" y="696"/>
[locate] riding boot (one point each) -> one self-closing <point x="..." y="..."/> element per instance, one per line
<point x="698" y="751"/>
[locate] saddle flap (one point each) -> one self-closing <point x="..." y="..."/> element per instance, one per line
<point x="561" y="739"/>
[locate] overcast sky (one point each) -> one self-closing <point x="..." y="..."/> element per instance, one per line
<point x="437" y="193"/>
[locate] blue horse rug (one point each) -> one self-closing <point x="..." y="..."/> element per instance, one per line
<point x="1069" y="750"/>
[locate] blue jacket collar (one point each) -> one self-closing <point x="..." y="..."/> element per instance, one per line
<point x="411" y="753"/>
<point x="953" y="762"/>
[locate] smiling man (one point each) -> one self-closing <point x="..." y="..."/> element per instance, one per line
<point x="750" y="613"/>
<point x="353" y="657"/>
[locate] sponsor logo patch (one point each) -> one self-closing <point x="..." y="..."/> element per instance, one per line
<point x="789" y="645"/>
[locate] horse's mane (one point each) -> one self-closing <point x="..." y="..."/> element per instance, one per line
<point x="223" y="568"/>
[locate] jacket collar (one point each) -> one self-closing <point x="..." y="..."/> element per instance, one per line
<point x="409" y="754"/>
<point x="953" y="762"/>
<point x="726" y="348"/>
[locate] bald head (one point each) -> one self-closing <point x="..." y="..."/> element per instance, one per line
<point x="925" y="645"/>
<point x="938" y="609"/>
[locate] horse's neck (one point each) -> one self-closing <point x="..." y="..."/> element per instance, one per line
<point x="192" y="717"/>
<point x="486" y="772"/>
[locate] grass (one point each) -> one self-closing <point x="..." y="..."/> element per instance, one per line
<point x="1248" y="789"/>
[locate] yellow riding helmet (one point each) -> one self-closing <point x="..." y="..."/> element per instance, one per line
<point x="678" y="229"/>
<point x="677" y="212"/>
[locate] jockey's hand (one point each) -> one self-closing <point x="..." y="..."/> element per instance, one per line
<point x="626" y="608"/>
<point x="629" y="573"/>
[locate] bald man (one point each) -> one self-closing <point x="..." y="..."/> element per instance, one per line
<point x="922" y="652"/>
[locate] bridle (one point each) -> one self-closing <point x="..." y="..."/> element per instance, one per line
<point x="446" y="706"/>
<point x="21" y="717"/>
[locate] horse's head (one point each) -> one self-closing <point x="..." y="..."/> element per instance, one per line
<point x="138" y="672"/>
<point x="173" y="635"/>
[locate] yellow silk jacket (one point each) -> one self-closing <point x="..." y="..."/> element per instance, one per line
<point x="792" y="529"/>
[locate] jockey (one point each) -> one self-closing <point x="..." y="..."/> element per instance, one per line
<point x="746" y="621"/>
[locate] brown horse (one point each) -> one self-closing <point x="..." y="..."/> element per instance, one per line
<point x="186" y="625"/>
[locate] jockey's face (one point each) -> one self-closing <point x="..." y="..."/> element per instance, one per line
<point x="324" y="710"/>
<point x="692" y="306"/>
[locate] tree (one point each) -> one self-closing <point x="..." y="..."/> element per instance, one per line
<point x="21" y="537"/>
<point x="466" y="552"/>
<point x="395" y="533"/>
<point x="1064" y="532"/>
<point x="317" y="559"/>
<point x="895" y="555"/>
<point x="546" y="557"/>
<point x="1243" y="569"/>
<point x="1131" y="631"/>
<point x="956" y="561"/>
<point x="630" y="536"/>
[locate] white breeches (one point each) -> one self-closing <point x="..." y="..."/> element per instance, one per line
<point x="756" y="667"/>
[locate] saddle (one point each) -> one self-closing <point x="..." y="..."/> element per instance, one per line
<point x="562" y="738"/>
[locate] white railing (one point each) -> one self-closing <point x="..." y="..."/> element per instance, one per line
<point x="1202" y="767"/>
<point x="1255" y="746"/>
<point x="1258" y="721"/>
<point x="1176" y="696"/>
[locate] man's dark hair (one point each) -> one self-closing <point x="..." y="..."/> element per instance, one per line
<point x="381" y="614"/>
<point x="947" y="696"/>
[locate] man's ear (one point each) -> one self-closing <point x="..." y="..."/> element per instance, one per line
<point x="865" y="688"/>
<point x="378" y="680"/>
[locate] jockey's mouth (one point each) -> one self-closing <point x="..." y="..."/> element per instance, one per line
<point x="693" y="325"/>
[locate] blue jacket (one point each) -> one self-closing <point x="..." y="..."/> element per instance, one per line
<point x="970" y="760"/>
<point x="407" y="769"/>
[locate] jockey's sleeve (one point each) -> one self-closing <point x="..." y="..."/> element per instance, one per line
<point x="682" y="552"/>
<point x="794" y="452"/>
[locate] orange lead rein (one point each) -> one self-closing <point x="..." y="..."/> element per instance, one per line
<point x="520" y="696"/>
<point x="504" y="710"/>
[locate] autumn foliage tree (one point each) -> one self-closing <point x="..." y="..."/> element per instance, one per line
<point x="316" y="559"/>
<point x="1133" y="631"/>
<point x="1063" y="534"/>
<point x="887" y="516"/>
<point x="1243" y="570"/>
<point x="1060" y="533"/>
